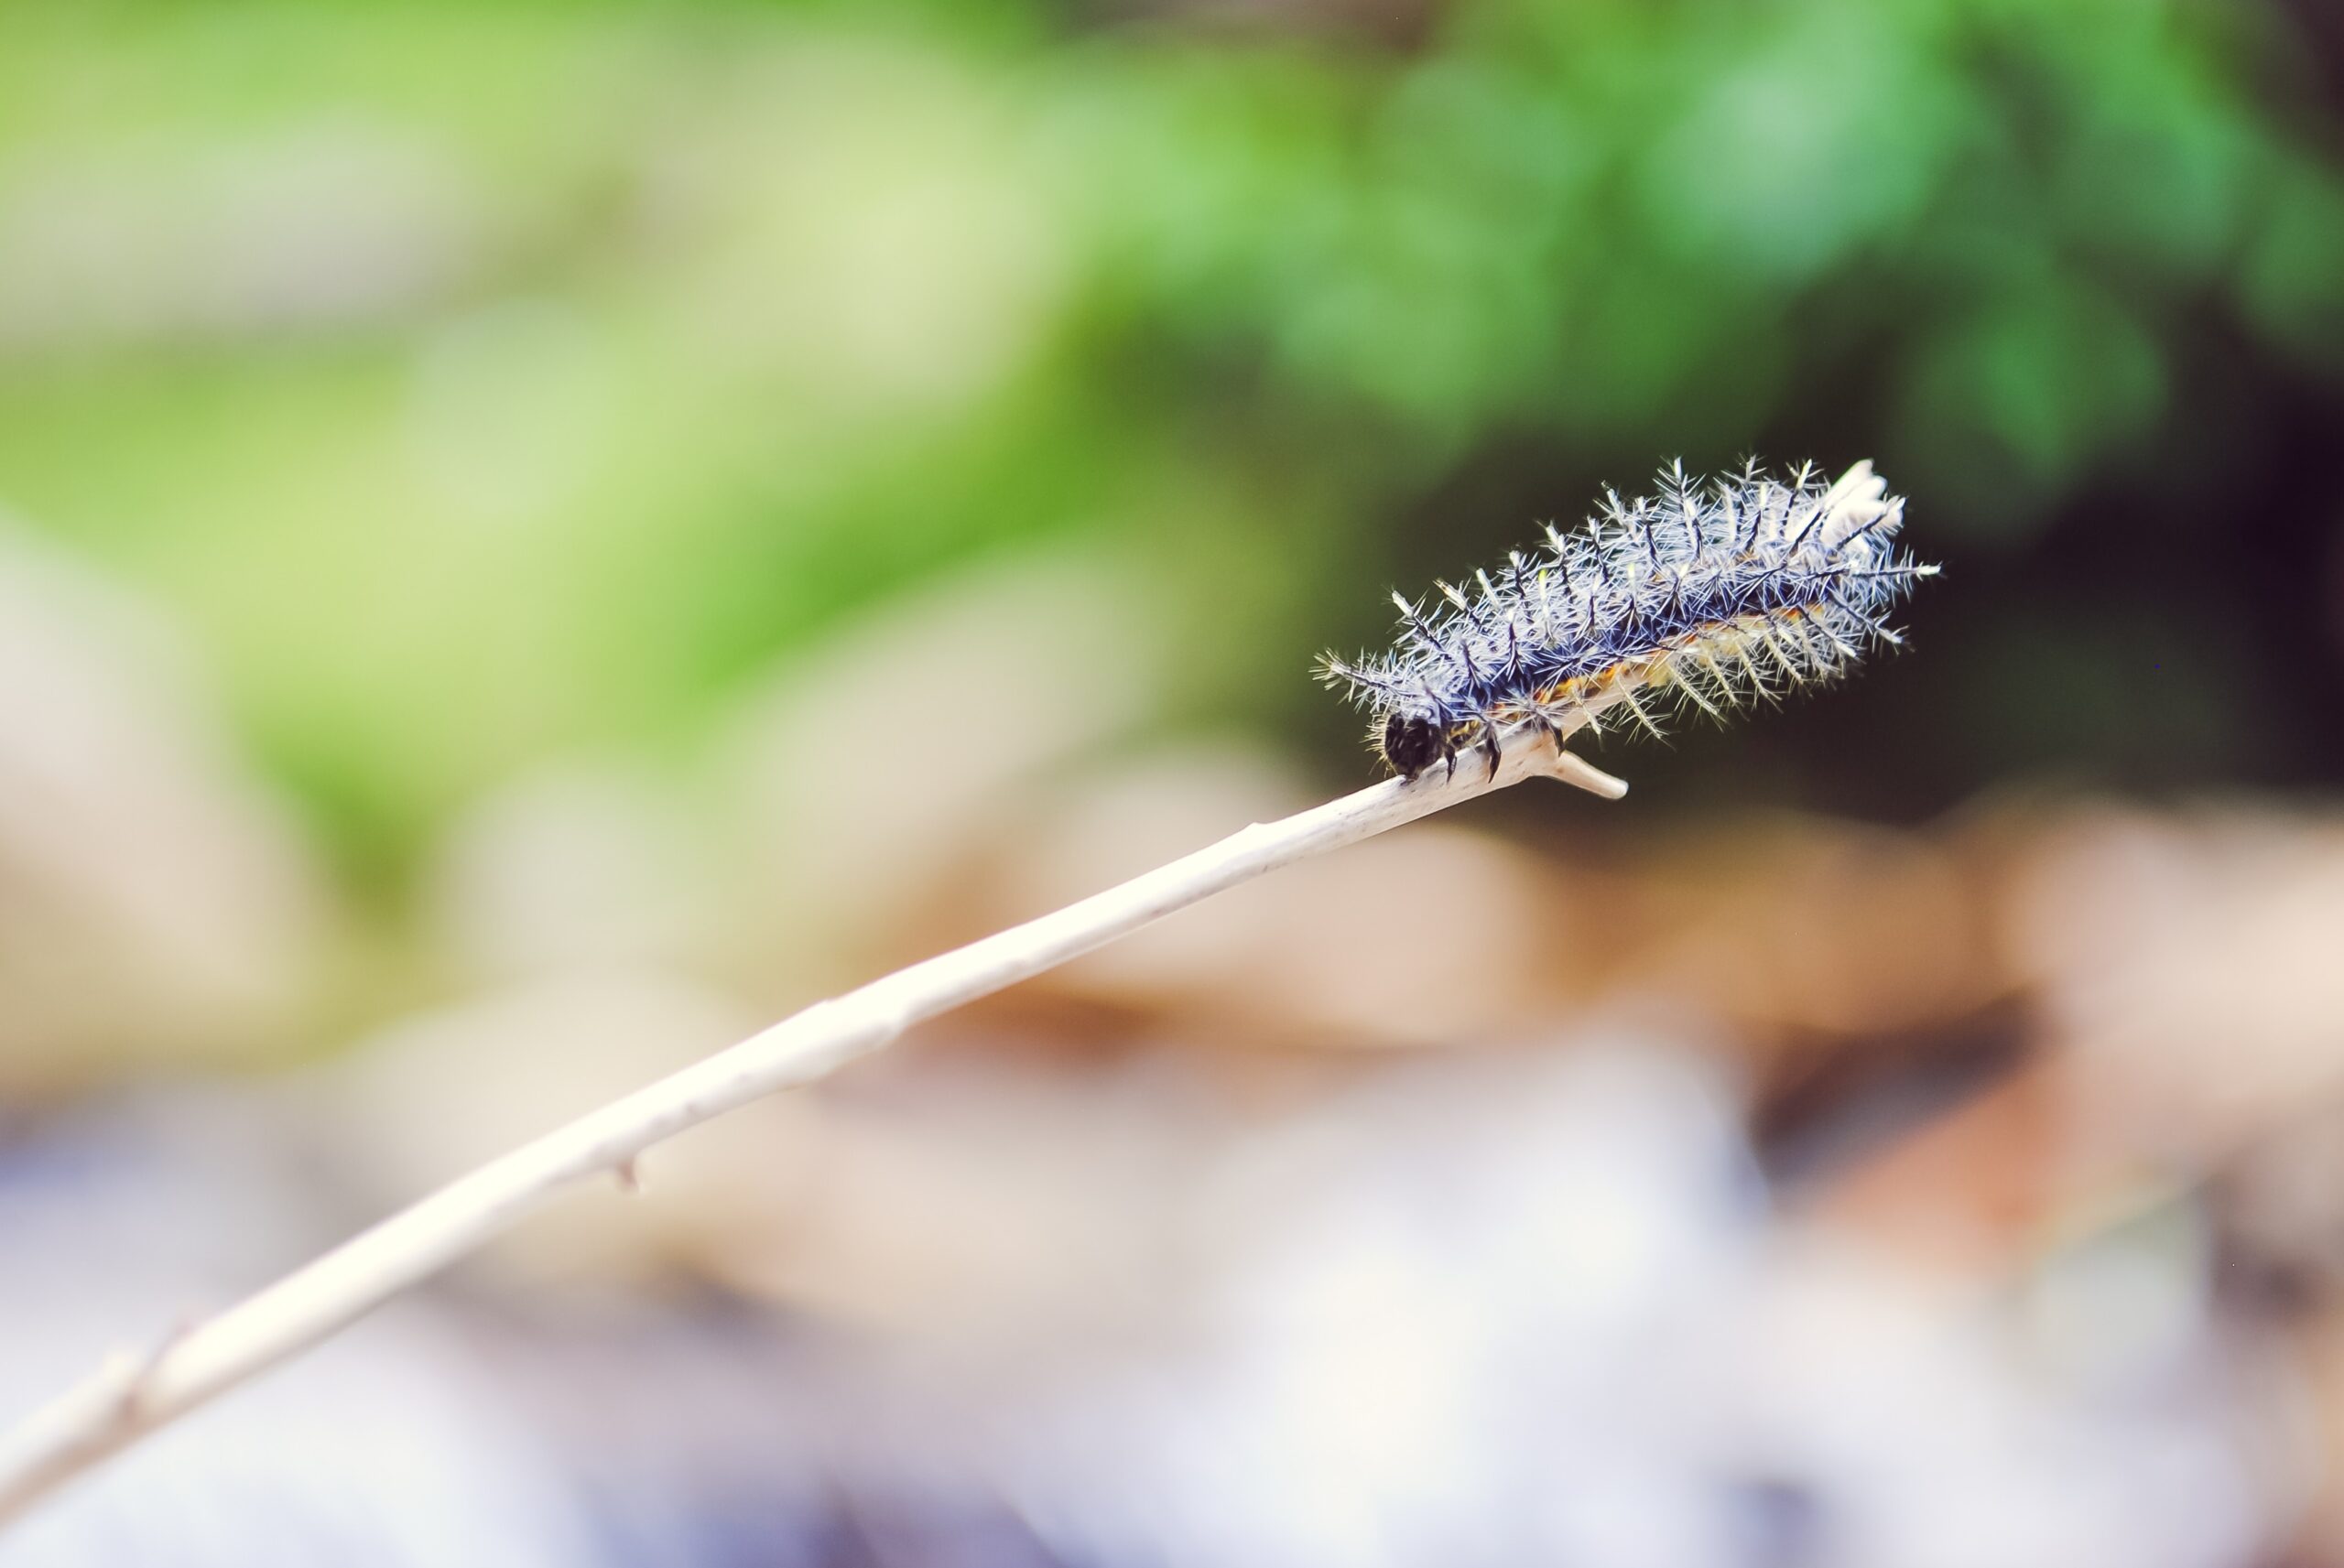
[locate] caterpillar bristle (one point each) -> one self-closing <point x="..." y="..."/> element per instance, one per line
<point x="1718" y="595"/>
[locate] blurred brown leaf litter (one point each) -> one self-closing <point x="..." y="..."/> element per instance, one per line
<point x="1417" y="1174"/>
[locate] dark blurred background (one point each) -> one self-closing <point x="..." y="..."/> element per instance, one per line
<point x="534" y="537"/>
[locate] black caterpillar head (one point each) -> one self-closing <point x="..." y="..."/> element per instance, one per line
<point x="1413" y="743"/>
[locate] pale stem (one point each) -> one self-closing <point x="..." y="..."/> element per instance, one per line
<point x="136" y="1394"/>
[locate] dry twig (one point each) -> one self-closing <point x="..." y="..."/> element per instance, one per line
<point x="136" y="1394"/>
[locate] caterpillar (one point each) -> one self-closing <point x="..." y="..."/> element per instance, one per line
<point x="1712" y="594"/>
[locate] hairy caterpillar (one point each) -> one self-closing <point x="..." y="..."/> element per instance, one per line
<point x="1709" y="594"/>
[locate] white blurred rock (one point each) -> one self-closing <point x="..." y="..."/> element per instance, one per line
<point x="387" y="1448"/>
<point x="1523" y="1311"/>
<point x="1931" y="1437"/>
<point x="157" y="907"/>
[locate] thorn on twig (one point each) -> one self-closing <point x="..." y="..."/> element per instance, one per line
<point x="127" y="1370"/>
<point x="629" y="1172"/>
<point x="135" y="1370"/>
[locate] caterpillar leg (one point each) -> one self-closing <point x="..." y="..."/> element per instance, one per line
<point x="1449" y="752"/>
<point x="1489" y="742"/>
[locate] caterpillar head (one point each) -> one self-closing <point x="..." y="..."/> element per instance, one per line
<point x="1413" y="743"/>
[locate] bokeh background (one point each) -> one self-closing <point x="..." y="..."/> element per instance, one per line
<point x="538" y="536"/>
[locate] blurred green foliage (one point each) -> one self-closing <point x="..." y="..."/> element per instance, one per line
<point x="484" y="380"/>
